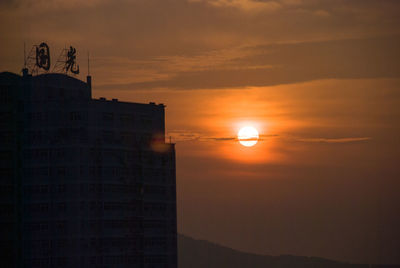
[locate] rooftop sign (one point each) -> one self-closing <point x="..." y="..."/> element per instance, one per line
<point x="38" y="60"/>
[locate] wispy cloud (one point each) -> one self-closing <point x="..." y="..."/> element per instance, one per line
<point x="261" y="65"/>
<point x="183" y="135"/>
<point x="48" y="5"/>
<point x="334" y="140"/>
<point x="247" y="5"/>
<point x="168" y="68"/>
<point x="209" y="43"/>
<point x="255" y="6"/>
<point x="186" y="135"/>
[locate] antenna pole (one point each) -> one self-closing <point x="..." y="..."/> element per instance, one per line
<point x="24" y="56"/>
<point x="88" y="65"/>
<point x="66" y="57"/>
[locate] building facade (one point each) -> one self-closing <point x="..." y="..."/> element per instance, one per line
<point x="83" y="182"/>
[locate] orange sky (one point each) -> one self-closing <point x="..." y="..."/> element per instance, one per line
<point x="319" y="79"/>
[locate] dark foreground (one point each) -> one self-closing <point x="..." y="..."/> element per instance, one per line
<point x="201" y="254"/>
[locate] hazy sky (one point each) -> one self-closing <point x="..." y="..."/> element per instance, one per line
<point x="319" y="79"/>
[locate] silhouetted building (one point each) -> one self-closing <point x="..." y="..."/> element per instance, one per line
<point x="83" y="182"/>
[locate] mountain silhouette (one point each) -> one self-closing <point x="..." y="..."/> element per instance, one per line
<point x="194" y="253"/>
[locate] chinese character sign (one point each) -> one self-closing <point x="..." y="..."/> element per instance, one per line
<point x="43" y="56"/>
<point x="70" y="64"/>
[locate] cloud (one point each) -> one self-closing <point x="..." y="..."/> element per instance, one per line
<point x="247" y="5"/>
<point x="209" y="44"/>
<point x="334" y="140"/>
<point x="271" y="64"/>
<point x="261" y="138"/>
<point x="322" y="13"/>
<point x="254" y="6"/>
<point x="183" y="135"/>
<point x="164" y="70"/>
<point x="187" y="135"/>
<point x="49" y="5"/>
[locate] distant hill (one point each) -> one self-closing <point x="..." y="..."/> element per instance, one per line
<point x="203" y="254"/>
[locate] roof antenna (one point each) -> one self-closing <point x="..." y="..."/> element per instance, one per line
<point x="24" y="56"/>
<point x="24" y="70"/>
<point x="88" y="65"/>
<point x="88" y="77"/>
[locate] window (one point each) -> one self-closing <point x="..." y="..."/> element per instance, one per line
<point x="4" y="95"/>
<point x="75" y="116"/>
<point x="108" y="136"/>
<point x="43" y="189"/>
<point x="146" y="121"/>
<point x="6" y="189"/>
<point x="43" y="226"/>
<point x="61" y="206"/>
<point x="43" y="154"/>
<point x="61" y="171"/>
<point x="61" y="188"/>
<point x="60" y="153"/>
<point x="126" y="118"/>
<point x="108" y="117"/>
<point x="127" y="137"/>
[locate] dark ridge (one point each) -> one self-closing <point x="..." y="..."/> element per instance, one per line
<point x="194" y="253"/>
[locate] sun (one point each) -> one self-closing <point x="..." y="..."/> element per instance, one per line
<point x="248" y="136"/>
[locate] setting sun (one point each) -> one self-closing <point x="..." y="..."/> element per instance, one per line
<point x="248" y="136"/>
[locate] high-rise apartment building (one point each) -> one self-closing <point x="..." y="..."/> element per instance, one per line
<point x="83" y="182"/>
